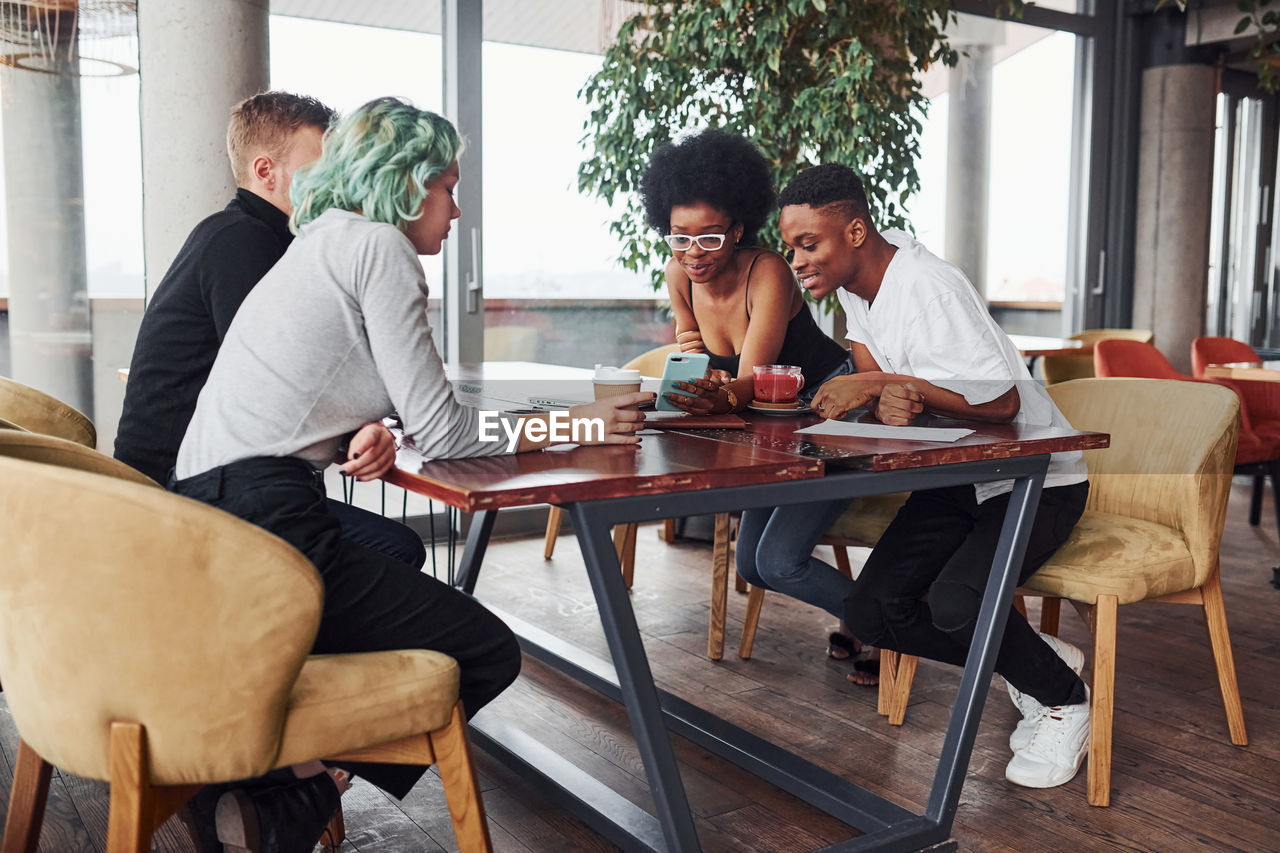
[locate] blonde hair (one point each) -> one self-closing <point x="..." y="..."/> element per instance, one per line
<point x="265" y="122"/>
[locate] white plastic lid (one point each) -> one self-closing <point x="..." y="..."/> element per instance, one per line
<point x="608" y="375"/>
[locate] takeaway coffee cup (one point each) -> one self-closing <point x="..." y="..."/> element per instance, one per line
<point x="612" y="381"/>
<point x="777" y="384"/>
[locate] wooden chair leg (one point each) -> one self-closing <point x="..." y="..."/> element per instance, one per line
<point x="27" y="799"/>
<point x="668" y="530"/>
<point x="627" y="556"/>
<point x="1020" y="605"/>
<point x="1050" y="614"/>
<point x="897" y="710"/>
<point x="622" y="533"/>
<point x="740" y="584"/>
<point x="1102" y="700"/>
<point x="719" y="587"/>
<point x="842" y="560"/>
<point x="129" y="821"/>
<point x="755" y="600"/>
<point x="1215" y="618"/>
<point x="461" y="789"/>
<point x="888" y="674"/>
<point x="335" y="833"/>
<point x="553" y="530"/>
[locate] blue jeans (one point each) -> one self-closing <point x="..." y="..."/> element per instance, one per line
<point x="775" y="552"/>
<point x="775" y="546"/>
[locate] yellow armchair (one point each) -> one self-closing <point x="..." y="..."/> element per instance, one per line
<point x="36" y="411"/>
<point x="1150" y="532"/>
<point x="51" y="450"/>
<point x="173" y="652"/>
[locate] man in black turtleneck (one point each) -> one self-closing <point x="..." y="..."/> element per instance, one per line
<point x="269" y="136"/>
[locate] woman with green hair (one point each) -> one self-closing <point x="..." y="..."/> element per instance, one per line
<point x="333" y="337"/>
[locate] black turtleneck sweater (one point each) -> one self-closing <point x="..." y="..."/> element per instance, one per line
<point x="185" y="323"/>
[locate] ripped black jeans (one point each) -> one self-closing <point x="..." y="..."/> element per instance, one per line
<point x="921" y="588"/>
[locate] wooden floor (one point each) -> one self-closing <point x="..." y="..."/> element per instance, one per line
<point x="1178" y="783"/>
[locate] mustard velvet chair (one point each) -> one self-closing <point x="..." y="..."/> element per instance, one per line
<point x="1063" y="368"/>
<point x="1150" y="532"/>
<point x="173" y="652"/>
<point x="50" y="450"/>
<point x="36" y="411"/>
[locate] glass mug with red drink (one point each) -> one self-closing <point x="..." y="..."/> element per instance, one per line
<point x="777" y="386"/>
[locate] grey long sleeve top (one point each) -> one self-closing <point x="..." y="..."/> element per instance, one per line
<point x="334" y="336"/>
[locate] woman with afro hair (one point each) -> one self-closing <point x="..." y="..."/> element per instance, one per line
<point x="708" y="194"/>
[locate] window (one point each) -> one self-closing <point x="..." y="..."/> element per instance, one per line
<point x="551" y="281"/>
<point x="1002" y="208"/>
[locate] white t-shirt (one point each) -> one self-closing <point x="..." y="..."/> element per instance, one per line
<point x="928" y="321"/>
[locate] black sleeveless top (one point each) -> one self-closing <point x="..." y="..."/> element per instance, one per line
<point x="803" y="344"/>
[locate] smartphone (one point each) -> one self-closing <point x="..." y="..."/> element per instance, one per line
<point x="680" y="367"/>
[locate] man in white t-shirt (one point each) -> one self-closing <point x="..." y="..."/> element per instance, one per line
<point x="923" y="341"/>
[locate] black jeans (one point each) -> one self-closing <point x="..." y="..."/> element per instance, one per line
<point x="372" y="602"/>
<point x="921" y="588"/>
<point x="378" y="533"/>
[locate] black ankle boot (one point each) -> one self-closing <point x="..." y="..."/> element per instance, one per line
<point x="286" y="817"/>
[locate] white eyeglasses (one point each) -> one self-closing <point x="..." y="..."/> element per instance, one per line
<point x="684" y="242"/>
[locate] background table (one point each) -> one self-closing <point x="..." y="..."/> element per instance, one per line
<point x="674" y="474"/>
<point x="1262" y="371"/>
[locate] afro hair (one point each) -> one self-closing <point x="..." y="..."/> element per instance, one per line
<point x="829" y="185"/>
<point x="711" y="166"/>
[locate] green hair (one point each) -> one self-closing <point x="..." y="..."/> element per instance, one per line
<point x="378" y="160"/>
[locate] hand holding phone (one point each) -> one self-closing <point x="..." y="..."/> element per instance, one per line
<point x="680" y="367"/>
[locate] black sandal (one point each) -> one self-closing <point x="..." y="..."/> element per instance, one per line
<point x="866" y="666"/>
<point x="841" y="646"/>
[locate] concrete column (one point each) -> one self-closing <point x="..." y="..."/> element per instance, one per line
<point x="44" y="201"/>
<point x="197" y="59"/>
<point x="969" y="162"/>
<point x="1175" y="184"/>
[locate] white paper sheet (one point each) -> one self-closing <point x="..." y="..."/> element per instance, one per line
<point x="857" y="430"/>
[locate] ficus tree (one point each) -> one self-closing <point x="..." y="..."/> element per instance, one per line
<point x="807" y="81"/>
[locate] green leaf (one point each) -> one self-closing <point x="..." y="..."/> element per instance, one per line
<point x="806" y="80"/>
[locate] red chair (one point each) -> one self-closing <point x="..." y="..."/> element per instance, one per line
<point x="1258" y="453"/>
<point x="1261" y="399"/>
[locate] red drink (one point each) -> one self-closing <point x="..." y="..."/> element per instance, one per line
<point x="777" y="383"/>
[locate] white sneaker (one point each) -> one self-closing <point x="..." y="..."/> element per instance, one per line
<point x="1029" y="707"/>
<point x="1059" y="742"/>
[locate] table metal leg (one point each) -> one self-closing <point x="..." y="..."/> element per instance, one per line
<point x="944" y="797"/>
<point x="639" y="692"/>
<point x="477" y="544"/>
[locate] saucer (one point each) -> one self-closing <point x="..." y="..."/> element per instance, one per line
<point x="766" y="410"/>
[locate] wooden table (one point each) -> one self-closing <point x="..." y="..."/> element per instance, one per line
<point x="674" y="474"/>
<point x="1033" y="347"/>
<point x="1262" y="371"/>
